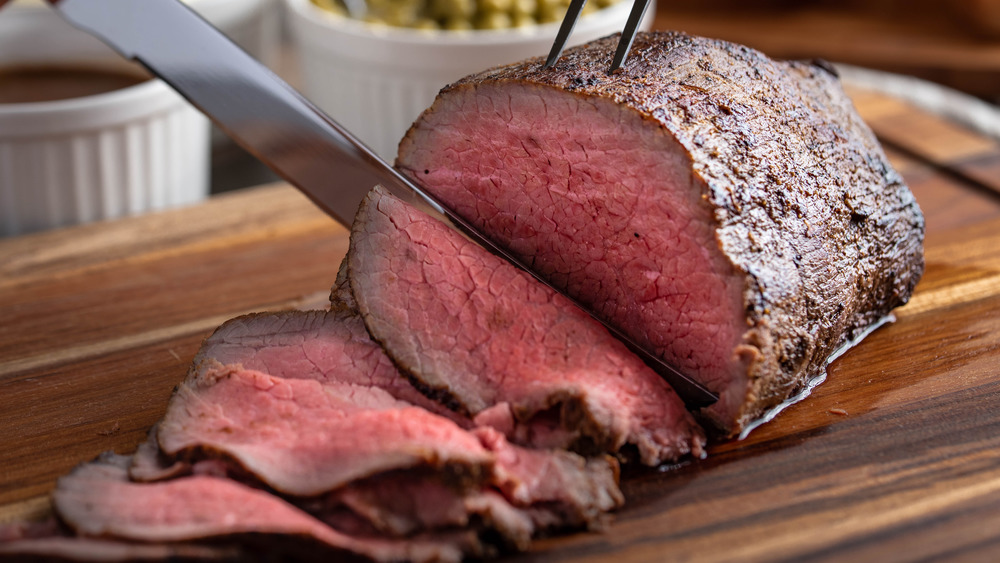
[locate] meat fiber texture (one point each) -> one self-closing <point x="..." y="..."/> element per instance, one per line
<point x="348" y="447"/>
<point x="325" y="346"/>
<point x="323" y="460"/>
<point x="492" y="342"/>
<point x="119" y="520"/>
<point x="729" y="212"/>
<point x="305" y="351"/>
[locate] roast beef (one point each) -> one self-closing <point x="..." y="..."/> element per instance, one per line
<point x="320" y="345"/>
<point x="730" y="212"/>
<point x="491" y="341"/>
<point x="349" y="453"/>
<point x="304" y="438"/>
<point x="108" y="513"/>
<point x="268" y="467"/>
<point x="334" y="348"/>
<point x="96" y="550"/>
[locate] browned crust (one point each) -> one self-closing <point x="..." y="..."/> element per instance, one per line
<point x="807" y="207"/>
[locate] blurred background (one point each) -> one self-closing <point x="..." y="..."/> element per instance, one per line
<point x="953" y="43"/>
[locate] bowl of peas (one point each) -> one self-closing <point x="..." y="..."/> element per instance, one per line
<point x="375" y="65"/>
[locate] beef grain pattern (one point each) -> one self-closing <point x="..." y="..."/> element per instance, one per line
<point x="498" y="345"/>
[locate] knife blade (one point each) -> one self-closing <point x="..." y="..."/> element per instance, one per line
<point x="279" y="126"/>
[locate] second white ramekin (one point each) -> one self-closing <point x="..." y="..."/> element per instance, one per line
<point x="375" y="80"/>
<point x="124" y="152"/>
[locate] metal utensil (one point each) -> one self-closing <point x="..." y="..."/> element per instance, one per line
<point x="276" y="124"/>
<point x="628" y="34"/>
<point x="624" y="43"/>
<point x="565" y="28"/>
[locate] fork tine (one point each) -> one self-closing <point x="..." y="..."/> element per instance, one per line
<point x="628" y="34"/>
<point x="572" y="14"/>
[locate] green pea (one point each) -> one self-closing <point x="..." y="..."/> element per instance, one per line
<point x="523" y="20"/>
<point x="426" y="23"/>
<point x="495" y="5"/>
<point x="457" y="24"/>
<point x="548" y="13"/>
<point x="449" y="9"/>
<point x="493" y="20"/>
<point x="523" y="8"/>
<point x="401" y="14"/>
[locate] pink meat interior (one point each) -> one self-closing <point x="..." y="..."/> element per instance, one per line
<point x="602" y="202"/>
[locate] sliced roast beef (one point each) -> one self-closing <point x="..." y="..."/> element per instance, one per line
<point x="98" y="501"/>
<point x="149" y="464"/>
<point x="78" y="549"/>
<point x="490" y="340"/>
<point x="730" y="212"/>
<point x="304" y="438"/>
<point x="350" y="453"/>
<point x="403" y="503"/>
<point x="560" y="488"/>
<point x="529" y="491"/>
<point x="320" y="345"/>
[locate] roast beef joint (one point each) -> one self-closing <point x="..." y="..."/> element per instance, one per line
<point x="730" y="213"/>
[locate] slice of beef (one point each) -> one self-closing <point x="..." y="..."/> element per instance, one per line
<point x="305" y="438"/>
<point x="71" y="548"/>
<point x="730" y="212"/>
<point x="319" y="345"/>
<point x="49" y="540"/>
<point x="528" y="492"/>
<point x="403" y="503"/>
<point x="349" y="454"/>
<point x="490" y="340"/>
<point x="150" y="464"/>
<point x="341" y="297"/>
<point x="98" y="501"/>
<point x="559" y="488"/>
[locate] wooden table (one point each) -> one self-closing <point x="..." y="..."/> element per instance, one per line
<point x="925" y="38"/>
<point x="895" y="457"/>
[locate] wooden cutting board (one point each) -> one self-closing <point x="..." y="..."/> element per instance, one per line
<point x="895" y="457"/>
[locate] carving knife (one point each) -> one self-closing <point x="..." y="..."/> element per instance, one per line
<point x="276" y="124"/>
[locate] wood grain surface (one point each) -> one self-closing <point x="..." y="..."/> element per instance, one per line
<point x="896" y="457"/>
<point x="956" y="43"/>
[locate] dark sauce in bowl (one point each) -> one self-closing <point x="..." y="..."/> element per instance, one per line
<point x="45" y="83"/>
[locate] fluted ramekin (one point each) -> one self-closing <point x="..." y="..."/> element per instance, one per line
<point x="375" y="80"/>
<point x="124" y="152"/>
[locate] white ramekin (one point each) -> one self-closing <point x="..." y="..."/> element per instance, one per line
<point x="65" y="162"/>
<point x="375" y="80"/>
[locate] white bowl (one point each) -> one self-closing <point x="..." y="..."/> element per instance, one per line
<point x="118" y="153"/>
<point x="375" y="80"/>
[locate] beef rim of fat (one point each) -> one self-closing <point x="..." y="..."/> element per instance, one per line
<point x="492" y="342"/>
<point x="730" y="212"/>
